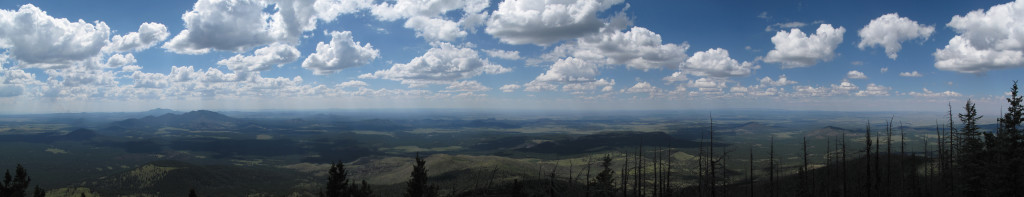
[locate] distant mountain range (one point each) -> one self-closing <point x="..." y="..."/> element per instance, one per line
<point x="194" y="120"/>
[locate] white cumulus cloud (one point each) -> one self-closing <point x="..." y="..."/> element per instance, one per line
<point x="119" y="60"/>
<point x="262" y="59"/>
<point x="38" y="40"/>
<point x="148" y="35"/>
<point x="588" y="86"/>
<point x="576" y="74"/>
<point x="675" y="77"/>
<point x="641" y="87"/>
<point x="911" y="74"/>
<point x="466" y="86"/>
<point x="890" y="30"/>
<point x="570" y="70"/>
<point x="444" y="63"/>
<point x="543" y="22"/>
<point x="782" y="81"/>
<point x="874" y="90"/>
<point x="342" y="52"/>
<point x="227" y="25"/>
<point x="435" y="28"/>
<point x="352" y="83"/>
<point x="854" y="74"/>
<point x="929" y="93"/>
<point x="707" y="84"/>
<point x="391" y="11"/>
<point x="988" y="39"/>
<point x="716" y="63"/>
<point x="503" y="54"/>
<point x="796" y="49"/>
<point x="428" y="17"/>
<point x="844" y="87"/>
<point x="510" y="87"/>
<point x="296" y="16"/>
<point x="638" y="48"/>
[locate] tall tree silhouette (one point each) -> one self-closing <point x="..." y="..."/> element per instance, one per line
<point x="337" y="181"/>
<point x="40" y="192"/>
<point x="711" y="152"/>
<point x="867" y="153"/>
<point x="972" y="159"/>
<point x="844" y="166"/>
<point x="771" y="169"/>
<point x="417" y="185"/>
<point x="192" y="193"/>
<point x="751" y="173"/>
<point x="1004" y="175"/>
<point x="604" y="183"/>
<point x="16" y="185"/>
<point x="802" y="189"/>
<point x="363" y="190"/>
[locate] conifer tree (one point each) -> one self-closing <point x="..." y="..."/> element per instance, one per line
<point x="867" y="152"/>
<point x="604" y="182"/>
<point x="417" y="184"/>
<point x="517" y="188"/>
<point x="16" y="185"/>
<point x="39" y="192"/>
<point x="1007" y="157"/>
<point x="363" y="190"/>
<point x="337" y="181"/>
<point x="972" y="159"/>
<point x="625" y="175"/>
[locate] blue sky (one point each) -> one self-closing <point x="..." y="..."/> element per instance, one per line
<point x="60" y="56"/>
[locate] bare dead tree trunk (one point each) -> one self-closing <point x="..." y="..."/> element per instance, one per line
<point x="625" y="175"/>
<point x="803" y="169"/>
<point x="639" y="164"/>
<point x="828" y="162"/>
<point x="888" y="159"/>
<point x="667" y="183"/>
<point x="844" y="165"/>
<point x="588" y="176"/>
<point x="771" y="168"/>
<point x="711" y="151"/>
<point x="878" y="159"/>
<point x="700" y="168"/>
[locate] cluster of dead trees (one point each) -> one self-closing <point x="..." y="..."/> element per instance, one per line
<point x="960" y="159"/>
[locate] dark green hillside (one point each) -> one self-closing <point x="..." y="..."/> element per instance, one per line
<point x="608" y="141"/>
<point x="169" y="177"/>
<point x="49" y="137"/>
<point x="904" y="178"/>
